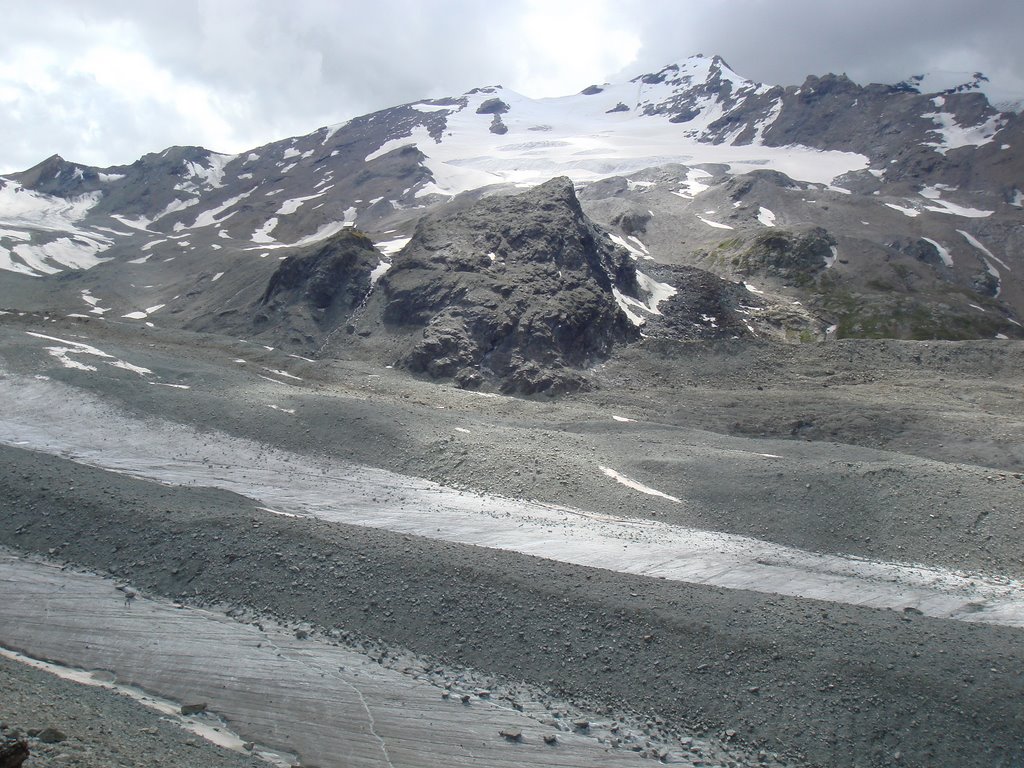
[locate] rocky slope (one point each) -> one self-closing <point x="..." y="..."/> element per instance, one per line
<point x="913" y="199"/>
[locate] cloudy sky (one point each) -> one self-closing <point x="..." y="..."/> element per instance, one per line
<point x="104" y="81"/>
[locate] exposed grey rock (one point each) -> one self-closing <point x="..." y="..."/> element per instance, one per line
<point x="493" y="106"/>
<point x="516" y="289"/>
<point x="50" y="735"/>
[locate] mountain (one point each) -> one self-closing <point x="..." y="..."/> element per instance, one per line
<point x="825" y="210"/>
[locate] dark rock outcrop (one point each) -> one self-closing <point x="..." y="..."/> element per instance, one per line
<point x="13" y="752"/>
<point x="318" y="288"/>
<point x="515" y="290"/>
<point x="795" y="257"/>
<point x="334" y="277"/>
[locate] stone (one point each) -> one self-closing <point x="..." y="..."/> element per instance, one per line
<point x="192" y="709"/>
<point x="51" y="736"/>
<point x="511" y="734"/>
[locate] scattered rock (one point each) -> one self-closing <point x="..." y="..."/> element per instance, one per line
<point x="13" y="752"/>
<point x="192" y="709"/>
<point x="511" y="734"/>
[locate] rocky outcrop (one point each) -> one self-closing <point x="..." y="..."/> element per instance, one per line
<point x="318" y="288"/>
<point x="794" y="257"/>
<point x="333" y="278"/>
<point x="513" y="290"/>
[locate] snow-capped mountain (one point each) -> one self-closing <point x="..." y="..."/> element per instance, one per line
<point x="836" y="208"/>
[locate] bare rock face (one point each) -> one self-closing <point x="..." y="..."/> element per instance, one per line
<point x="517" y="290"/>
<point x="323" y="284"/>
<point x="796" y="257"/>
<point x="334" y="276"/>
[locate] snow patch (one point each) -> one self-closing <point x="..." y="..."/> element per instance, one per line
<point x="262" y="235"/>
<point x="715" y="224"/>
<point x="944" y="253"/>
<point x="766" y="217"/>
<point x="629" y="483"/>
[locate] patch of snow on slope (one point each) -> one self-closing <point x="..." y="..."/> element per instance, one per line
<point x="391" y="247"/>
<point x="944" y="206"/>
<point x="952" y="135"/>
<point x="262" y="235"/>
<point x="715" y="224"/>
<point x="420" y="107"/>
<point x="72" y="247"/>
<point x="75" y="252"/>
<point x="656" y="292"/>
<point x="350" y="217"/>
<point x="944" y="253"/>
<point x="629" y="483"/>
<point x="627" y="304"/>
<point x="330" y="130"/>
<point x="213" y="174"/>
<point x="289" y="207"/>
<point x="62" y="353"/>
<point x="173" y="207"/>
<point x="206" y="218"/>
<point x="977" y="244"/>
<point x="379" y="271"/>
<point x="766" y="217"/>
<point x="141" y="223"/>
<point x="911" y="212"/>
<point x="635" y="252"/>
<point x="692" y="185"/>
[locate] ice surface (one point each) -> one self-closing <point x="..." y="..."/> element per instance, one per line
<point x="584" y="143"/>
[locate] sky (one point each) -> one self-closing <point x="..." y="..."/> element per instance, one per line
<point x="102" y="82"/>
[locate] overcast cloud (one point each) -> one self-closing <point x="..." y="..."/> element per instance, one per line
<point x="104" y="81"/>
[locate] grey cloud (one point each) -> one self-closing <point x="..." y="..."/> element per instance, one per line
<point x="266" y="69"/>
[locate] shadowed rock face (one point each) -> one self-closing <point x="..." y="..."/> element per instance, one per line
<point x="335" y="276"/>
<point x="514" y="288"/>
<point x="318" y="288"/>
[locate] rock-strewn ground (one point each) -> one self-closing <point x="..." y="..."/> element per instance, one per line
<point x="836" y="684"/>
<point x="99" y="728"/>
<point x="881" y="436"/>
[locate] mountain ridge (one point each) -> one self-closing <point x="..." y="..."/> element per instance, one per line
<point x="690" y="167"/>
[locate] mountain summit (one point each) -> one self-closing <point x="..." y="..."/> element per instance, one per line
<point x="835" y="209"/>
